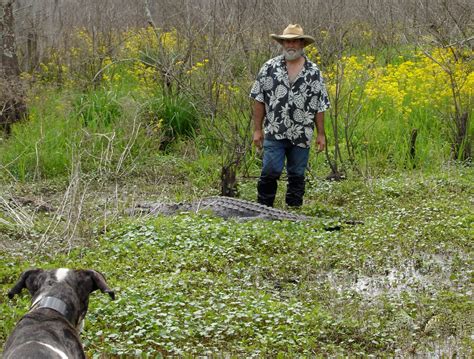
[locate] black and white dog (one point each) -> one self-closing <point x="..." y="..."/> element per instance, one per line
<point x="51" y="328"/>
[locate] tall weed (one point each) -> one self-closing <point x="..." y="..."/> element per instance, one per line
<point x="41" y="146"/>
<point x="98" y="133"/>
<point x="97" y="109"/>
<point x="174" y="116"/>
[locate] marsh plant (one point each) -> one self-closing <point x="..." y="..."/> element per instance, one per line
<point x="121" y="113"/>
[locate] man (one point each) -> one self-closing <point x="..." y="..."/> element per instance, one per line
<point x="290" y="98"/>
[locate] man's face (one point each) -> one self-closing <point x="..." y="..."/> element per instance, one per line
<point x="292" y="49"/>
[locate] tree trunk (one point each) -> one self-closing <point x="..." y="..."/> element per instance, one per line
<point x="12" y="96"/>
<point x="229" y="181"/>
<point x="9" y="66"/>
<point x="461" y="146"/>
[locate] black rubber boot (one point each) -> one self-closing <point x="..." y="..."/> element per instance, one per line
<point x="267" y="189"/>
<point x="295" y="191"/>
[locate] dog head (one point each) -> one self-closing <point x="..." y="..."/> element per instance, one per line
<point x="67" y="289"/>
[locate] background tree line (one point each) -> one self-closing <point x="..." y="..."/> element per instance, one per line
<point x="41" y="24"/>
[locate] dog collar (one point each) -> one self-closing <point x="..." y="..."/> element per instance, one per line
<point x="55" y="304"/>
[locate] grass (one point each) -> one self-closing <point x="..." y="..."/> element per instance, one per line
<point x="398" y="284"/>
<point x="40" y="147"/>
<point x="100" y="131"/>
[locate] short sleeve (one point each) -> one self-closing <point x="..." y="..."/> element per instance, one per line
<point x="323" y="100"/>
<point x="257" y="89"/>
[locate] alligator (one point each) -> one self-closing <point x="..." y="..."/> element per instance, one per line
<point x="225" y="207"/>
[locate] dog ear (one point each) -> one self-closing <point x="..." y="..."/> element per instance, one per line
<point x="99" y="283"/>
<point x="27" y="280"/>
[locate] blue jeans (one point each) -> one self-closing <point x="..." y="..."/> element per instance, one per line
<point x="274" y="154"/>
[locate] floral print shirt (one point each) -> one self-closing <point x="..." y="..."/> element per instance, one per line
<point x="290" y="108"/>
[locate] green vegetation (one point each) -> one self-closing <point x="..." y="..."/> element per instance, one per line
<point x="399" y="283"/>
<point x="385" y="268"/>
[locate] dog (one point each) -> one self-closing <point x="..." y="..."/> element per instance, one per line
<point x="60" y="298"/>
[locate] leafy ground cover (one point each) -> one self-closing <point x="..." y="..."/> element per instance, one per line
<point x="395" y="282"/>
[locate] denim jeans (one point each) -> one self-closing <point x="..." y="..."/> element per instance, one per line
<point x="274" y="154"/>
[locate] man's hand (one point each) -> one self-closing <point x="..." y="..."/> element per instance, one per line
<point x="320" y="142"/>
<point x="258" y="116"/>
<point x="321" y="137"/>
<point x="258" y="139"/>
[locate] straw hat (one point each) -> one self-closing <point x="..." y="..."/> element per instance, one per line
<point x="293" y="31"/>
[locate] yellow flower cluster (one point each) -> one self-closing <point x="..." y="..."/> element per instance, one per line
<point x="169" y="40"/>
<point x="226" y="93"/>
<point x="145" y="76"/>
<point x="420" y="82"/>
<point x="138" y="41"/>
<point x="351" y="74"/>
<point x="156" y="125"/>
<point x="85" y="36"/>
<point x="85" y="45"/>
<point x="313" y="54"/>
<point x="197" y="66"/>
<point x="54" y="70"/>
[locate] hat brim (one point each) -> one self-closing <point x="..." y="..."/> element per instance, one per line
<point x="280" y="38"/>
